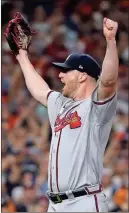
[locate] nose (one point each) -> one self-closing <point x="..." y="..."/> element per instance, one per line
<point x="61" y="75"/>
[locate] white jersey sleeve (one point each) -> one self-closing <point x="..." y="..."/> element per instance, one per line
<point x="55" y="102"/>
<point x="103" y="111"/>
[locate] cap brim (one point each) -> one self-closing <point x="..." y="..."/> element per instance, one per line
<point x="64" y="67"/>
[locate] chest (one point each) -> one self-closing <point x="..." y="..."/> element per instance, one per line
<point x="71" y="116"/>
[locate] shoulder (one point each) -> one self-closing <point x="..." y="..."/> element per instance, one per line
<point x="94" y="98"/>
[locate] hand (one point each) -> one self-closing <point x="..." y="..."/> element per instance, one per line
<point x="109" y="28"/>
<point x="18" y="34"/>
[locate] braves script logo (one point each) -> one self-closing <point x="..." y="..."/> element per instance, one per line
<point x="72" y="119"/>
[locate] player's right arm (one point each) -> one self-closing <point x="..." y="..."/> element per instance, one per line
<point x="38" y="88"/>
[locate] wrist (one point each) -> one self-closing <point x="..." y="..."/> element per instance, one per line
<point x="22" y="54"/>
<point x="113" y="40"/>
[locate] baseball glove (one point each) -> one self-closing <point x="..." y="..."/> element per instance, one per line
<point x="18" y="34"/>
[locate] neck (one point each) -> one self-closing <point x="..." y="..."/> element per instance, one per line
<point x="84" y="91"/>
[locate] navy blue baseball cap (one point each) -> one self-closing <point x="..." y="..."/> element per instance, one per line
<point x="81" y="62"/>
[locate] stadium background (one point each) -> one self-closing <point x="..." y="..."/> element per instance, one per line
<point x="62" y="27"/>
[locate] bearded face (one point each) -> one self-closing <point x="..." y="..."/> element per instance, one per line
<point x="70" y="82"/>
<point x="69" y="88"/>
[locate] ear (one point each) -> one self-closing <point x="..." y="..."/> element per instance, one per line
<point x="82" y="77"/>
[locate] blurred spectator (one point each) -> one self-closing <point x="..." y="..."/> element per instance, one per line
<point x="123" y="46"/>
<point x="120" y="170"/>
<point x="109" y="188"/>
<point x="42" y="29"/>
<point x="18" y="198"/>
<point x="61" y="28"/>
<point x="121" y="198"/>
<point x="57" y="50"/>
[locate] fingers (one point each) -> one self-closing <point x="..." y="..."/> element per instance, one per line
<point x="109" y="24"/>
<point x="104" y="20"/>
<point x="17" y="15"/>
<point x="14" y="37"/>
<point x="8" y="27"/>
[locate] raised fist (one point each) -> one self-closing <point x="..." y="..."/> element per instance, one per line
<point x="109" y="28"/>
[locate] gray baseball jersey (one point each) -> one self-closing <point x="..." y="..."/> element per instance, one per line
<point x="80" y="131"/>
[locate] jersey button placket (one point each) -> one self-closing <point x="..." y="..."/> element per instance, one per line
<point x="54" y="165"/>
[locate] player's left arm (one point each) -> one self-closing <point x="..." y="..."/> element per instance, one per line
<point x="110" y="66"/>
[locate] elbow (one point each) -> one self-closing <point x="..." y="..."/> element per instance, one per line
<point x="40" y="96"/>
<point x="108" y="82"/>
<point x="34" y="94"/>
<point x="109" y="79"/>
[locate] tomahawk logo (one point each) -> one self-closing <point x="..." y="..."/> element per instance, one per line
<point x="72" y="119"/>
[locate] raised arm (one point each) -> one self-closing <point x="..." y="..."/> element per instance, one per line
<point x="110" y="66"/>
<point x="38" y="88"/>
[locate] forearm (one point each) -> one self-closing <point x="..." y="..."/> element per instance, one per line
<point x="15" y="83"/>
<point x="35" y="84"/>
<point x="110" y="64"/>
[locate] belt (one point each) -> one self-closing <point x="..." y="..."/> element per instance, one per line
<point x="58" y="198"/>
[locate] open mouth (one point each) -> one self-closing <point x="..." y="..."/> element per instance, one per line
<point x="63" y="83"/>
<point x="63" y="86"/>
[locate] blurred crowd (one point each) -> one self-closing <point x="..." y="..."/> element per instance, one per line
<point x="62" y="27"/>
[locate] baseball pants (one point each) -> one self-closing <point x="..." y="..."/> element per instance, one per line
<point x="87" y="203"/>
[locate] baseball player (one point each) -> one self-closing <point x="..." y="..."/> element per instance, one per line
<point x="80" y="117"/>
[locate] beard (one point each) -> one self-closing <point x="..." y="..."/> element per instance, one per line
<point x="69" y="89"/>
